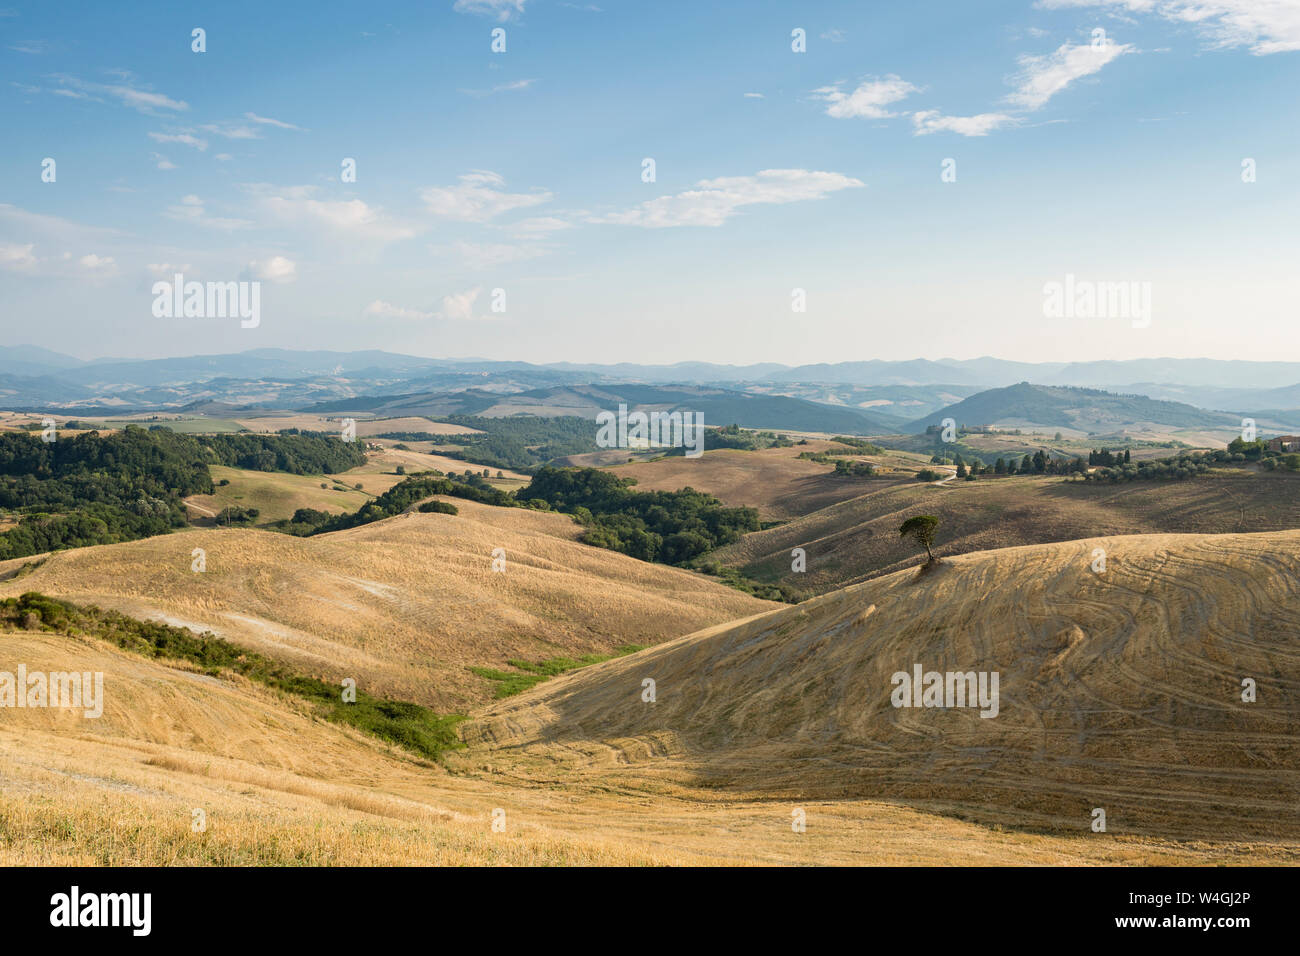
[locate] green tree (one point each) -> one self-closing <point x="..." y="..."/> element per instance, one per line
<point x="920" y="528"/>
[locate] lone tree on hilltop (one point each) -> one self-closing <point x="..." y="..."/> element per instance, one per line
<point x="921" y="529"/>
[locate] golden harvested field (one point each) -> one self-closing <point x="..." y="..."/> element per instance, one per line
<point x="856" y="539"/>
<point x="1120" y="690"/>
<point x="402" y="605"/>
<point x="379" y="473"/>
<point x="775" y="480"/>
<point x="1137" y="713"/>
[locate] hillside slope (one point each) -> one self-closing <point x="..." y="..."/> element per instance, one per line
<point x="1079" y="409"/>
<point x="1120" y="691"/>
<point x="403" y="606"/>
<point x="855" y="539"/>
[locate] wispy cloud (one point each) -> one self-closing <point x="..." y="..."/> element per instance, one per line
<point x="352" y="218"/>
<point x="869" y="100"/>
<point x="459" y="306"/>
<point x="486" y="255"/>
<point x="184" y="137"/>
<point x="713" y="201"/>
<point x="275" y="269"/>
<point x="502" y="88"/>
<point x="31" y="47"/>
<point x="17" y="257"/>
<point x="230" y="131"/>
<point x="1266" y="26"/>
<point x="267" y="121"/>
<point x="163" y="161"/>
<point x="537" y="226"/>
<point x="478" y="196"/>
<point x="389" y="311"/>
<point x="932" y="121"/>
<point x="500" y="9"/>
<point x="1042" y="77"/>
<point x="192" y="209"/>
<point x="144" y="100"/>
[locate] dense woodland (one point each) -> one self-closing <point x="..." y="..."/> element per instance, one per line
<point x="671" y="527"/>
<point x="89" y="489"/>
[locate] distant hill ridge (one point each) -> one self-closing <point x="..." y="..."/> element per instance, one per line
<point x="1085" y="409"/>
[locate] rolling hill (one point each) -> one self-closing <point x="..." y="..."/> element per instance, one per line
<point x="1120" y="690"/>
<point x="404" y="606"/>
<point x="1120" y="693"/>
<point x="1079" y="409"/>
<point x="851" y="540"/>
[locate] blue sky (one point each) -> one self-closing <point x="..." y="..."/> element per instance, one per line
<point x="1114" y="157"/>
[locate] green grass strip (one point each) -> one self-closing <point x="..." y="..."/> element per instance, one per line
<point x="412" y="726"/>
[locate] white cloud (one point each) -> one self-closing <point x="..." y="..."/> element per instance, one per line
<point x="56" y="230"/>
<point x="163" y="161"/>
<point x="144" y="100"/>
<point x="1042" y="77"/>
<point x="33" y="47"/>
<point x="192" y="209"/>
<point x="1266" y="26"/>
<point x="17" y="258"/>
<point x="485" y="255"/>
<point x="165" y="270"/>
<point x="459" y="306"/>
<point x="223" y="157"/>
<point x="500" y="9"/>
<point x="714" y="201"/>
<point x="97" y="265"/>
<point x="388" y="310"/>
<point x="503" y="88"/>
<point x="274" y="269"/>
<point x="351" y="217"/>
<point x="267" y="121"/>
<point x="477" y="198"/>
<point x="184" y="137"/>
<point x="754" y="96"/>
<point x="835" y="35"/>
<point x="868" y="101"/>
<point x="537" y="227"/>
<point x="231" y="131"/>
<point x="932" y="121"/>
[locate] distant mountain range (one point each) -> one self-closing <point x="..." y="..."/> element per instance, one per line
<point x="718" y="406"/>
<point x="883" y="396"/>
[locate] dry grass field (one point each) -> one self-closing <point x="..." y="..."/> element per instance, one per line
<point x="774" y="480"/>
<point x="1118" y="692"/>
<point x="403" y="605"/>
<point x="858" y="538"/>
